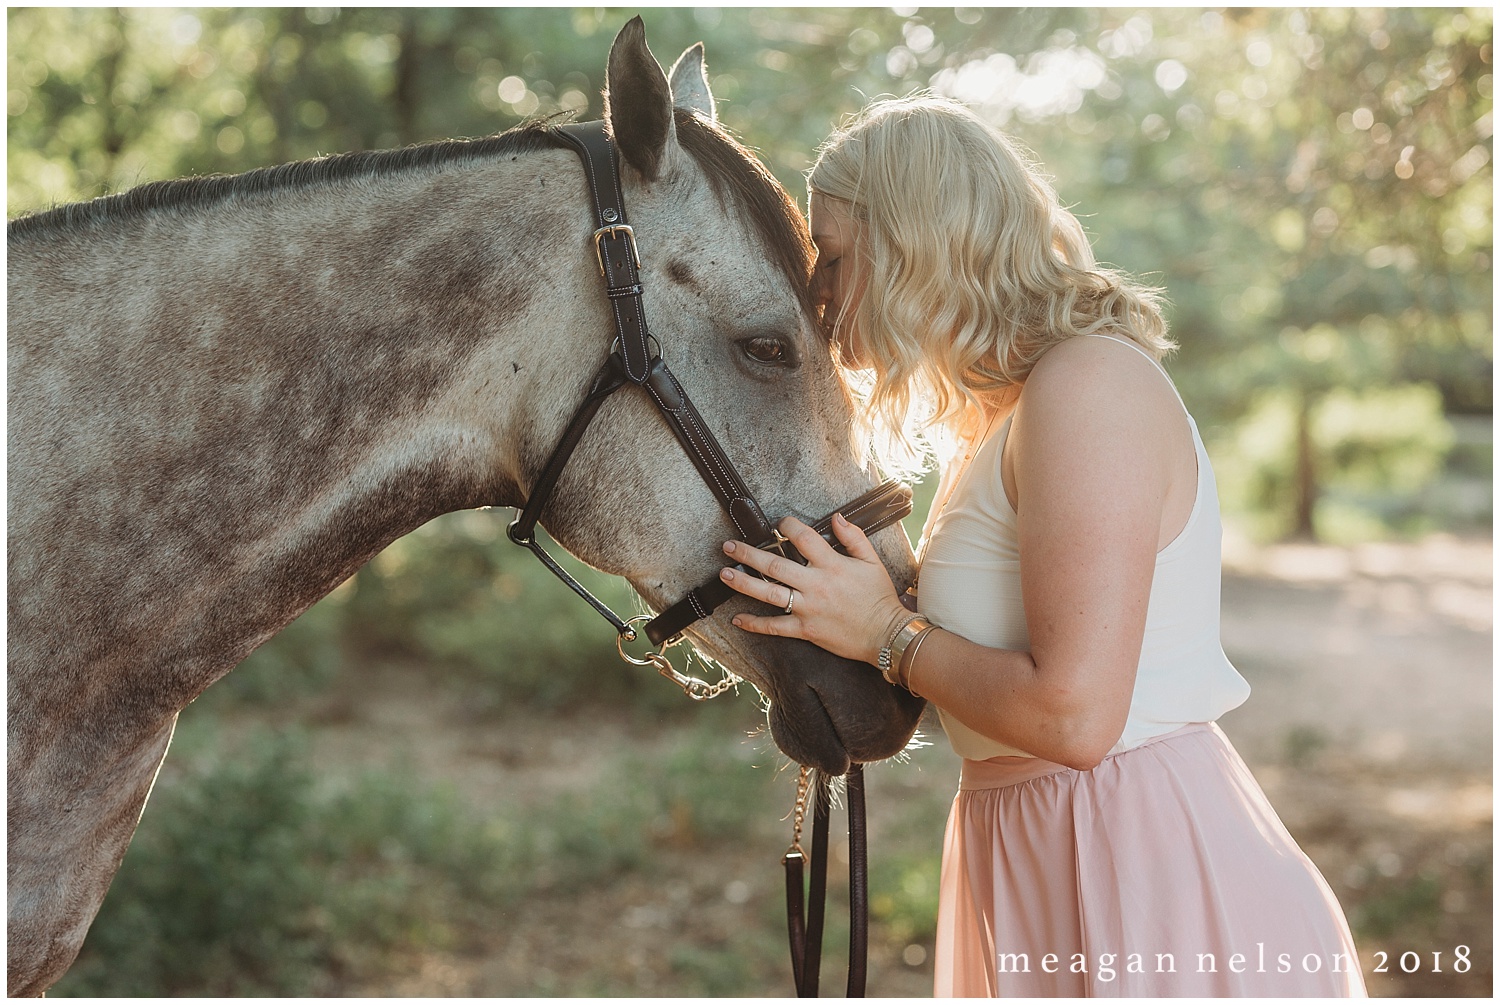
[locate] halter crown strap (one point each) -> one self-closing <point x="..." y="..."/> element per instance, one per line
<point x="619" y="262"/>
<point x="614" y="242"/>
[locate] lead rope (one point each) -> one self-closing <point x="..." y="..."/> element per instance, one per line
<point x="804" y="916"/>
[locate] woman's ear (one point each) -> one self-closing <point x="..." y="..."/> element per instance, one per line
<point x="638" y="102"/>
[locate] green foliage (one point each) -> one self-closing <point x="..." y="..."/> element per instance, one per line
<point x="710" y="788"/>
<point x="1399" y="906"/>
<point x="244" y="880"/>
<point x="458" y="594"/>
<point x="248" y="877"/>
<point x="904" y="896"/>
<point x="1380" y="449"/>
<point x="714" y="974"/>
<point x="1301" y="745"/>
<point x="703" y="790"/>
<point x="302" y="659"/>
<point x="218" y="896"/>
<point x="1386" y="440"/>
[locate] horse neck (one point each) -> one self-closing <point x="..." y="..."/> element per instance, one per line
<point x="256" y="397"/>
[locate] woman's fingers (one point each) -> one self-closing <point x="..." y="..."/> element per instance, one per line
<point x="835" y="600"/>
<point x="853" y="539"/>
<point x="775" y="594"/>
<point x="775" y="625"/>
<point x="806" y="540"/>
<point x="774" y="566"/>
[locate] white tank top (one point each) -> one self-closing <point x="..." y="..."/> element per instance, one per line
<point x="970" y="584"/>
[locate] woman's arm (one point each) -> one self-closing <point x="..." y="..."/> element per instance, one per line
<point x="1092" y="447"/>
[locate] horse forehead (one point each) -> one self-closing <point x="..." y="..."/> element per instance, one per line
<point x="699" y="236"/>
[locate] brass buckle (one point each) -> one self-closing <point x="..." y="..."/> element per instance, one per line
<point x="613" y="230"/>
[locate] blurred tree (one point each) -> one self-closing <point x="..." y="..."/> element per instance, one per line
<point x="1316" y="187"/>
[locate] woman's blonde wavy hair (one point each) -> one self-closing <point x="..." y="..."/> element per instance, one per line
<point x="971" y="270"/>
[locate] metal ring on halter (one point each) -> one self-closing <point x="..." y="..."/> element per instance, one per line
<point x="791" y="595"/>
<point x="651" y="339"/>
<point x="652" y="658"/>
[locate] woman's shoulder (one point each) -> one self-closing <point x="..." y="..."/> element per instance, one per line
<point x="1087" y="373"/>
<point x="1104" y="402"/>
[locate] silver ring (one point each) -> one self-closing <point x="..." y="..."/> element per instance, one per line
<point x="791" y="595"/>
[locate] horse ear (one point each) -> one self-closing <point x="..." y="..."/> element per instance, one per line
<point x="690" y="84"/>
<point x="638" y="101"/>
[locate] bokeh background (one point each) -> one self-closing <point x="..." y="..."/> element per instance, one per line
<point x="439" y="780"/>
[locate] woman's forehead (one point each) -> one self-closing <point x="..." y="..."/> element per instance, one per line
<point x="830" y="219"/>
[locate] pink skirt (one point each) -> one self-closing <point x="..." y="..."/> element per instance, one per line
<point x="1162" y="872"/>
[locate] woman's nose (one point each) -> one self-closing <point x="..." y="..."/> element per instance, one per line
<point x="821" y="289"/>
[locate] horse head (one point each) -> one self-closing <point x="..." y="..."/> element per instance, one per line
<point x="725" y="259"/>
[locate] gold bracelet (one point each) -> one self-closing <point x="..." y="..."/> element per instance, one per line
<point x="908" y="633"/>
<point x="890" y="656"/>
<point x="909" y="658"/>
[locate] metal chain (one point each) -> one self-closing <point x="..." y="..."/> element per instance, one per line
<point x="693" y="687"/>
<point x="799" y="811"/>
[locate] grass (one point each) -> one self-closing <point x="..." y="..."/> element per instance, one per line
<point x="243" y="880"/>
<point x="247" y="878"/>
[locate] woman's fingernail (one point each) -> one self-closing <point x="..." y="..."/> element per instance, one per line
<point x="729" y="547"/>
<point x="737" y="623"/>
<point x="840" y="518"/>
<point x="726" y="574"/>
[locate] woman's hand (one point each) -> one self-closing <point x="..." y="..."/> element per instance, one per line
<point x="845" y="604"/>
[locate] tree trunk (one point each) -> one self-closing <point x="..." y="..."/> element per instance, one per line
<point x="1306" y="474"/>
<point x="404" y="94"/>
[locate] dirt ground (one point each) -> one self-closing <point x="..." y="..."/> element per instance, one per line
<point x="1370" y="727"/>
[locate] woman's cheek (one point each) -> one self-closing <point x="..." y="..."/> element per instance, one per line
<point x="851" y="350"/>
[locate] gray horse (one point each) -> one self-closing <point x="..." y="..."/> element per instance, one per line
<point x="228" y="394"/>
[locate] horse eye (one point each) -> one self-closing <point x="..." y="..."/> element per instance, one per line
<point x="766" y="350"/>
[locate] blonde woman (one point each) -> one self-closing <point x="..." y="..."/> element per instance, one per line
<point x="1106" y="838"/>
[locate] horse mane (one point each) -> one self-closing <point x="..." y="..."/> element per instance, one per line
<point x="736" y="175"/>
<point x="206" y="190"/>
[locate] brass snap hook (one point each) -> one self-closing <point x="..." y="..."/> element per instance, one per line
<point x="693" y="687"/>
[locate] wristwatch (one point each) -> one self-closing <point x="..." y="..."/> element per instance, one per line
<point x="890" y="655"/>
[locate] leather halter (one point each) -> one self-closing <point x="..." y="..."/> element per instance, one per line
<point x="632" y="362"/>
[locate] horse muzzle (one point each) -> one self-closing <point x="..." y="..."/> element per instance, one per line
<point x="828" y="712"/>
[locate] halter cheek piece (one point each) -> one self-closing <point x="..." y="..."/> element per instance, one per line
<point x="631" y="361"/>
